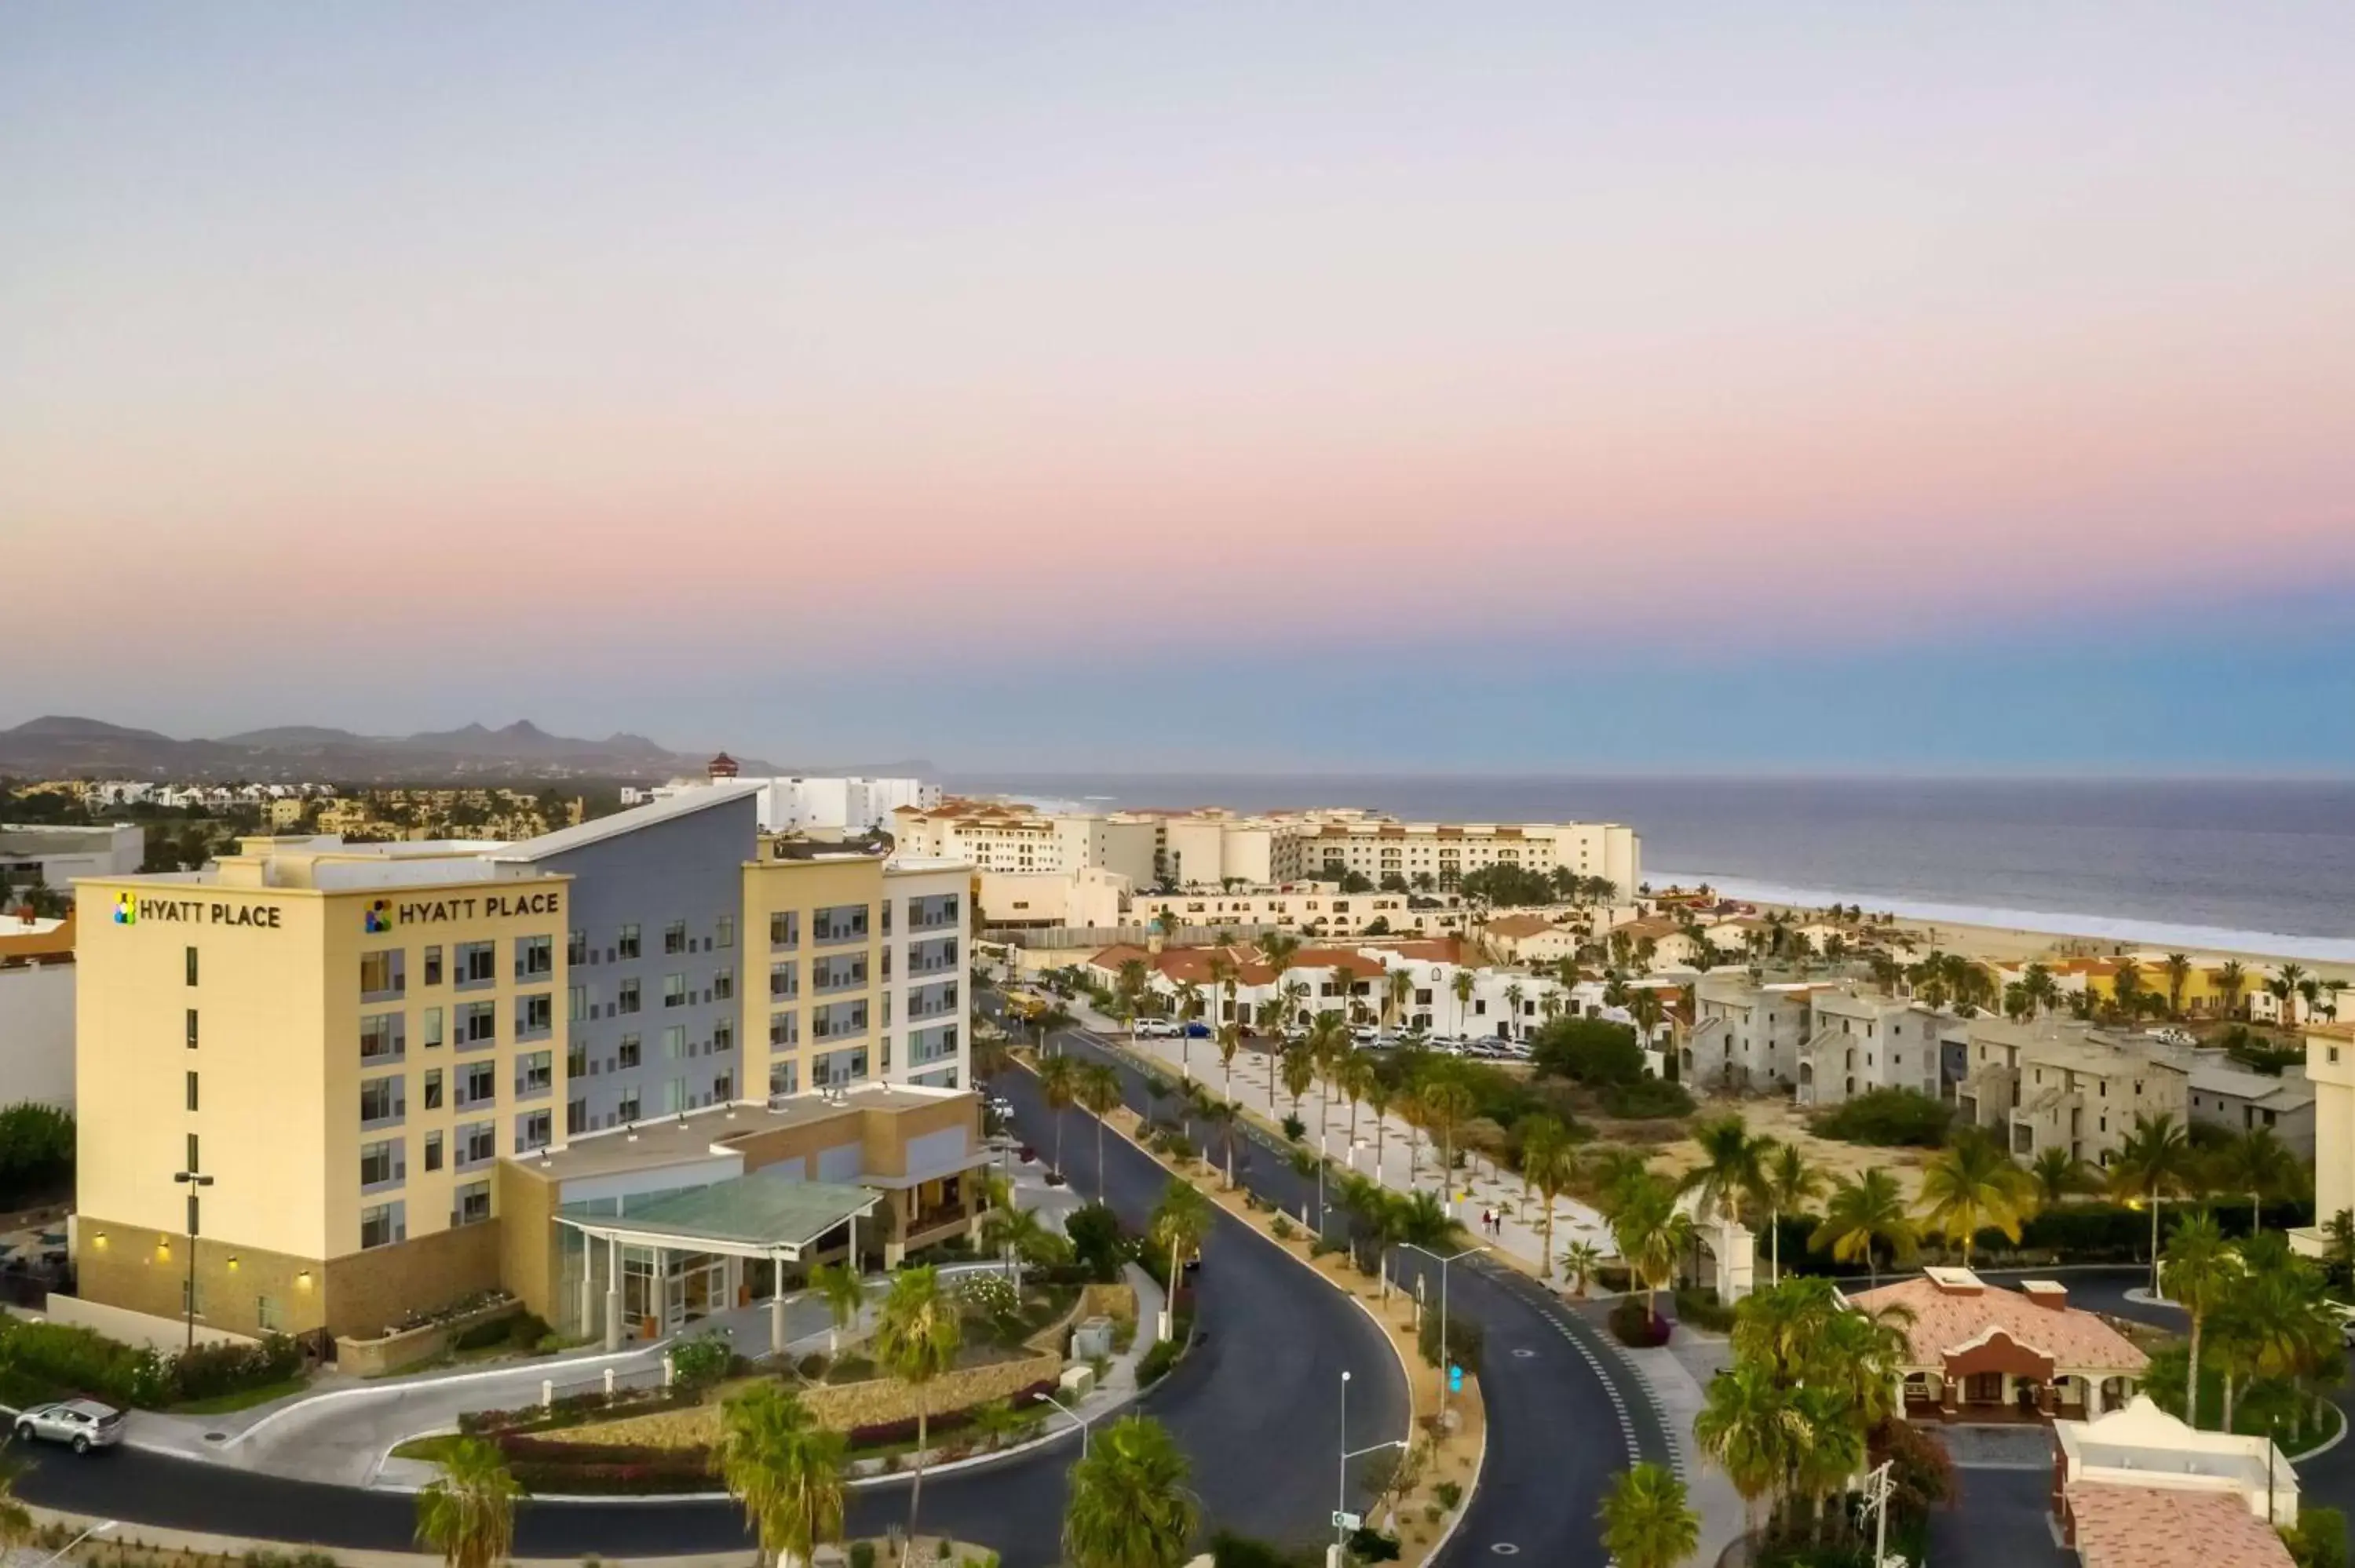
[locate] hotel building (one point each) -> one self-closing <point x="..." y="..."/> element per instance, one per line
<point x="329" y="1061"/>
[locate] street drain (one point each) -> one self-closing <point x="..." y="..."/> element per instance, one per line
<point x="1505" y="1549"/>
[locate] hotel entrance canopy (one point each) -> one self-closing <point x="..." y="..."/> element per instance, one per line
<point x="767" y="1214"/>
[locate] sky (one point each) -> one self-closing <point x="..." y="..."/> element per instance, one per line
<point x="1523" y="386"/>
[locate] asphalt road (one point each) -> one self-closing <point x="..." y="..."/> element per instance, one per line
<point x="1556" y="1434"/>
<point x="1255" y="1407"/>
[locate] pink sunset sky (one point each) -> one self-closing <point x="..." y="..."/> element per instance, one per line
<point x="512" y="346"/>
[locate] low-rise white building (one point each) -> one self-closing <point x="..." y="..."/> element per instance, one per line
<point x="57" y="855"/>
<point x="2138" y="1487"/>
<point x="37" y="1010"/>
<point x="2241" y="1101"/>
<point x="811" y="802"/>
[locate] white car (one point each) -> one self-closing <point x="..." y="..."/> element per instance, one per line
<point x="1155" y="1029"/>
<point x="80" y="1425"/>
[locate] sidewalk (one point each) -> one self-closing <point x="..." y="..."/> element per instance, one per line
<point x="1481" y="1185"/>
<point x="1677" y="1373"/>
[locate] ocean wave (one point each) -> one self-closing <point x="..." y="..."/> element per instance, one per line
<point x="2156" y="934"/>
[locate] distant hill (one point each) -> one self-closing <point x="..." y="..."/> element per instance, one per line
<point x="59" y="747"/>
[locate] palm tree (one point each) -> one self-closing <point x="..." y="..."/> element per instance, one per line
<point x="1129" y="1506"/>
<point x="1181" y="1221"/>
<point x="1865" y="1214"/>
<point x="1231" y="1042"/>
<point x="1513" y="996"/>
<point x="2260" y="1166"/>
<point x="785" y="1469"/>
<point x="2042" y="988"/>
<point x="1222" y="1115"/>
<point x="1446" y="1104"/>
<point x="1749" y="1427"/>
<point x="1461" y="988"/>
<point x="1189" y="1008"/>
<point x="2285" y="985"/>
<point x="1579" y="1260"/>
<point x="1550" y="1164"/>
<point x="1353" y="1077"/>
<point x="1647" y="1522"/>
<point x="1020" y="1236"/>
<point x="2058" y="1175"/>
<point x="837" y="1285"/>
<point x="1791" y="1181"/>
<point x="1398" y="990"/>
<point x="1972" y="1185"/>
<point x="2178" y="977"/>
<point x="1277" y="949"/>
<point x="1644" y="1006"/>
<point x="917" y="1336"/>
<point x="1651" y="1233"/>
<point x="1058" y="1077"/>
<point x="1225" y="974"/>
<point x="1297" y="1069"/>
<point x="467" y="1512"/>
<point x="1098" y="1092"/>
<point x="1377" y="1100"/>
<point x="2231" y="981"/>
<point x="2201" y="1269"/>
<point x="1731" y="1174"/>
<point x="2154" y="1163"/>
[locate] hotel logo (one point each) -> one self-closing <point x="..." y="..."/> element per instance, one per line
<point x="379" y="916"/>
<point x="126" y="909"/>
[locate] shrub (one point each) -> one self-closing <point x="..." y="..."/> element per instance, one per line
<point x="1281" y="1228"/>
<point x="812" y="1366"/>
<point x="481" y="1336"/>
<point x="209" y="1371"/>
<point x="1591" y="1051"/>
<point x="1294" y="1128"/>
<point x="991" y="1292"/>
<point x="36" y="1152"/>
<point x="1703" y="1310"/>
<point x="1321" y="1245"/>
<point x="526" y="1329"/>
<point x="1465" y="1339"/>
<point x="1449" y="1494"/>
<point x="1646" y="1098"/>
<point x="1152" y="1366"/>
<point x="47" y="1361"/>
<point x="862" y="1554"/>
<point x="1632" y="1326"/>
<point x="1368" y="1544"/>
<point x="703" y="1359"/>
<point x="1098" y="1244"/>
<point x="1888" y="1118"/>
<point x="2318" y="1540"/>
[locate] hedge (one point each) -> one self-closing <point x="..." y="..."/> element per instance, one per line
<point x="41" y="1362"/>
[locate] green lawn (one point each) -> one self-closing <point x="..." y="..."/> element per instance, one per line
<point x="244" y="1399"/>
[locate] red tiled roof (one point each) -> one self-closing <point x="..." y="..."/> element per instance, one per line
<point x="1946" y="1321"/>
<point x="2160" y="1527"/>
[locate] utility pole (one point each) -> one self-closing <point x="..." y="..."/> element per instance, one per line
<point x="1878" y="1485"/>
<point x="1446" y="1351"/>
<point x="191" y="1180"/>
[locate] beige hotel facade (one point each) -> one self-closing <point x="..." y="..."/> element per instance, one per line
<point x="363" y="1054"/>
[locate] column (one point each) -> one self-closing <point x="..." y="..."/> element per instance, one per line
<point x="777" y="1307"/>
<point x="613" y="1294"/>
<point x="2093" y="1396"/>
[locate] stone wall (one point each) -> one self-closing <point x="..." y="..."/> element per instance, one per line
<point x="841" y="1405"/>
<point x="396" y="1352"/>
<point x="1114" y="1301"/>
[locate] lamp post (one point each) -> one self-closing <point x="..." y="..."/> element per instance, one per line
<point x="192" y="1182"/>
<point x="1444" y="1352"/>
<point x="1341" y="1480"/>
<point x="1077" y="1419"/>
<point x="100" y="1528"/>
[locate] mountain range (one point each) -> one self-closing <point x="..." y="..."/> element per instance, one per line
<point x="62" y="746"/>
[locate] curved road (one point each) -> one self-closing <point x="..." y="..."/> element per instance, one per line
<point x="1566" y="1410"/>
<point x="1254" y="1405"/>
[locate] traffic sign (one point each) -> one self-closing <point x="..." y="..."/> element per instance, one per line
<point x="1346" y="1520"/>
<point x="1455" y="1380"/>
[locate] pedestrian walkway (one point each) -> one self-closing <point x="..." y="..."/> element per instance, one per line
<point x="1386" y="1148"/>
<point x="1678" y="1373"/>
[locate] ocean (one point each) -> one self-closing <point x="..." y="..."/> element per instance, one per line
<point x="2257" y="866"/>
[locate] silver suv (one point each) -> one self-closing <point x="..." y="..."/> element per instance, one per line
<point x="80" y="1423"/>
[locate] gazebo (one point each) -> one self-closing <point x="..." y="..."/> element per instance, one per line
<point x="683" y="1244"/>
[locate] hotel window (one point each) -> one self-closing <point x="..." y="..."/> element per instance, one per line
<point x="382" y="1101"/>
<point x="383" y="1036"/>
<point x="784" y="1078"/>
<point x="674" y="1042"/>
<point x="382" y="1224"/>
<point x="432" y="1091"/>
<point x="727" y="931"/>
<point x="839" y="1019"/>
<point x="723" y="1088"/>
<point x="840" y="922"/>
<point x="191" y="1029"/>
<point x="535" y="1016"/>
<point x="785" y="928"/>
<point x="784" y="980"/>
<point x="831" y="1067"/>
<point x="626" y="1057"/>
<point x="576" y="946"/>
<point x="478" y="1024"/>
<point x="266" y="1316"/>
<point x="576" y="1004"/>
<point x="432" y="1017"/>
<point x="478" y="1144"/>
<point x="194" y="1163"/>
<point x="576" y="1059"/>
<point x="434" y="1151"/>
<point x="383" y="974"/>
<point x="381" y="1165"/>
<point x="723" y="1036"/>
<point x="534" y="1129"/>
<point x="675" y="938"/>
<point x="845" y="972"/>
<point x="723" y="985"/>
<point x="784" y="1030"/>
<point x="628" y="995"/>
<point x="535" y="956"/>
<point x="627" y="1110"/>
<point x="674" y="993"/>
<point x="478" y="964"/>
<point x="628" y="945"/>
<point x="576" y="1118"/>
<point x="535" y="1074"/>
<point x="478" y="1084"/>
<point x="675" y="1098"/>
<point x="471" y="1203"/>
<point x="192" y="965"/>
<point x="434" y="966"/>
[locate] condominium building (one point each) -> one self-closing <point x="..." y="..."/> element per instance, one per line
<point x="1859" y="1040"/>
<point x="1377" y="847"/>
<point x="2330" y="1073"/>
<point x="1747" y="1035"/>
<point x="304" y="1062"/>
<point x="811" y="802"/>
<point x="1008" y="836"/>
<point x="2059" y="1084"/>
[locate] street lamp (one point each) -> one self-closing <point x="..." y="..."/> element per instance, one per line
<point x="1444" y="1351"/>
<point x="100" y="1528"/>
<point x="1077" y="1419"/>
<point x="191" y="1180"/>
<point x="1341" y="1481"/>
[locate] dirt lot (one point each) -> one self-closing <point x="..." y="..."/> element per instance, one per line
<point x="1779" y="1119"/>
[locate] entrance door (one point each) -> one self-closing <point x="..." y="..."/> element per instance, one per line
<point x="673" y="1304"/>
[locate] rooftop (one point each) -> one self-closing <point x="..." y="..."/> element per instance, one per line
<point x="1955" y="1309"/>
<point x="2280" y="1093"/>
<point x="764" y="1209"/>
<point x="685" y="803"/>
<point x="43" y="839"/>
<point x="2160" y="1527"/>
<point x="701" y="1134"/>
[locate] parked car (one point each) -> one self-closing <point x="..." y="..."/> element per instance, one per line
<point x="1155" y="1029"/>
<point x="1197" y="1030"/>
<point x="80" y="1425"/>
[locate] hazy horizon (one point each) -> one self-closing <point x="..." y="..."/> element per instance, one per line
<point x="1056" y="386"/>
